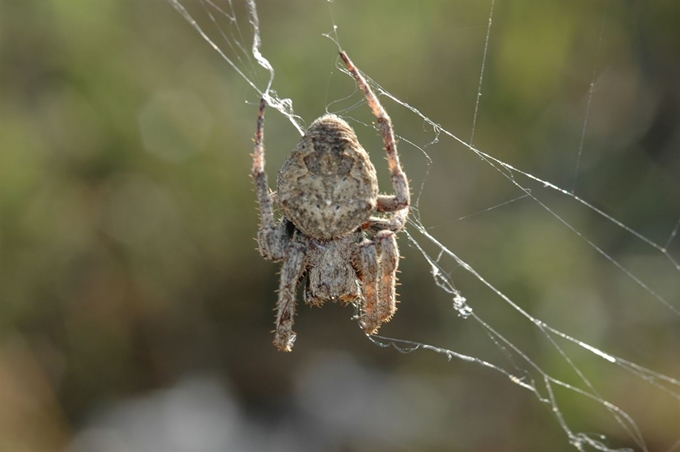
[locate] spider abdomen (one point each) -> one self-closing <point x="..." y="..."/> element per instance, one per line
<point x="327" y="187"/>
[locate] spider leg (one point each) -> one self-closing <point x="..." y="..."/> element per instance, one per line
<point x="401" y="198"/>
<point x="271" y="237"/>
<point x="291" y="271"/>
<point x="388" y="253"/>
<point x="392" y="222"/>
<point x="366" y="263"/>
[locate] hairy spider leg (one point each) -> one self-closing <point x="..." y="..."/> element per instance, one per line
<point x="272" y="237"/>
<point x="291" y="271"/>
<point x="366" y="262"/>
<point x="393" y="221"/>
<point x="388" y="255"/>
<point x="401" y="197"/>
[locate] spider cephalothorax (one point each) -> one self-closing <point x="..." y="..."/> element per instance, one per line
<point x="336" y="229"/>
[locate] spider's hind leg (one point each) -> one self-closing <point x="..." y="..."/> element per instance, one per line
<point x="273" y="240"/>
<point x="402" y="195"/>
<point x="272" y="236"/>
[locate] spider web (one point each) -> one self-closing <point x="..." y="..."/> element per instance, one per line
<point x="233" y="30"/>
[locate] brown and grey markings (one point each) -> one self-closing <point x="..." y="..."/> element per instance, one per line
<point x="327" y="187"/>
<point x="335" y="229"/>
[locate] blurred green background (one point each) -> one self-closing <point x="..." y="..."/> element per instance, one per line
<point x="135" y="313"/>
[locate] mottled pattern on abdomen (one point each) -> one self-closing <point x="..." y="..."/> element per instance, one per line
<point x="327" y="187"/>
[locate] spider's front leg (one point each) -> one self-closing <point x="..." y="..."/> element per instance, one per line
<point x="291" y="271"/>
<point x="272" y="238"/>
<point x="376" y="262"/>
<point x="365" y="262"/>
<point x="388" y="253"/>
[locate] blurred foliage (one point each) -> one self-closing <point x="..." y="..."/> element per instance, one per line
<point x="127" y="216"/>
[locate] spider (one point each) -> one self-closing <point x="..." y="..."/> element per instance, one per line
<point x="335" y="228"/>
